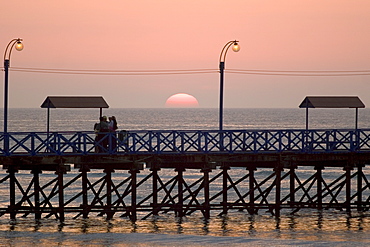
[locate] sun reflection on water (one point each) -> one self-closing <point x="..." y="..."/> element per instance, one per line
<point x="310" y="225"/>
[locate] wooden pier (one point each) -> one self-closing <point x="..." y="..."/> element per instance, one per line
<point x="146" y="173"/>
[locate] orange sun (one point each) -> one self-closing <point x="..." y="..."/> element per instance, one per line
<point x="182" y="100"/>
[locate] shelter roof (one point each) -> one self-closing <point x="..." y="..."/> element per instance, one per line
<point x="332" y="102"/>
<point x="74" y="102"/>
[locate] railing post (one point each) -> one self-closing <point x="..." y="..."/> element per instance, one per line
<point x="280" y="148"/>
<point x="221" y="141"/>
<point x="329" y="145"/>
<point x="32" y="149"/>
<point x="244" y="141"/>
<point x="305" y="144"/>
<point x="174" y="149"/>
<point x="199" y="140"/>
<point x="57" y="144"/>
<point x="158" y="142"/>
<point x="266" y="140"/>
<point x="182" y="148"/>
<point x="110" y="143"/>
<point x="79" y="135"/>
<point x="6" y="144"/>
<point x="356" y="144"/>
<point x="254" y="142"/>
<point x="133" y="142"/>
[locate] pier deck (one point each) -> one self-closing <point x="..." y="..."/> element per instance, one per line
<point x="145" y="173"/>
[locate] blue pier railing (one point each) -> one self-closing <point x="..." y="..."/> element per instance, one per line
<point x="184" y="141"/>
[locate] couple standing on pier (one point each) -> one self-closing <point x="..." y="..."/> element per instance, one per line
<point x="100" y="129"/>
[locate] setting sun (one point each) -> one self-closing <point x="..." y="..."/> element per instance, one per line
<point x="182" y="100"/>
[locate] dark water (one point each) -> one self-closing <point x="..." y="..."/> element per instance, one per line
<point x="306" y="227"/>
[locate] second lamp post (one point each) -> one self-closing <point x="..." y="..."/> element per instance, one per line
<point x="235" y="48"/>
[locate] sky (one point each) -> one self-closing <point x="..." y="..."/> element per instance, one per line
<point x="276" y="37"/>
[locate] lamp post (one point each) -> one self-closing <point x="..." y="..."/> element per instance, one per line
<point x="235" y="48"/>
<point x="17" y="43"/>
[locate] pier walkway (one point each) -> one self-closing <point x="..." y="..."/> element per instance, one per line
<point x="246" y="170"/>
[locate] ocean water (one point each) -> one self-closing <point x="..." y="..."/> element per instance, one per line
<point x="304" y="228"/>
<point x="186" y="119"/>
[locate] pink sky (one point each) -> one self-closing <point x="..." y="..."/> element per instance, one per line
<point x="168" y="34"/>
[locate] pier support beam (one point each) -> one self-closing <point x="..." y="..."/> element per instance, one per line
<point x="278" y="171"/>
<point x="155" y="177"/>
<point x="242" y="182"/>
<point x="85" y="204"/>
<point x="36" y="187"/>
<point x="251" y="208"/>
<point x="12" y="208"/>
<point x="348" y="170"/>
<point x="133" y="214"/>
<point x="180" y="192"/>
<point x="206" y="205"/>
<point x="319" y="180"/>
<point x="292" y="185"/>
<point x="108" y="179"/>
<point x="224" y="188"/>
<point x="359" y="187"/>
<point x="60" y="173"/>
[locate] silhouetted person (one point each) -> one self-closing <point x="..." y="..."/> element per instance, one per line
<point x="101" y="129"/>
<point x="112" y="125"/>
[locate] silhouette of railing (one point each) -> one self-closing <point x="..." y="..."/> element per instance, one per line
<point x="184" y="141"/>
